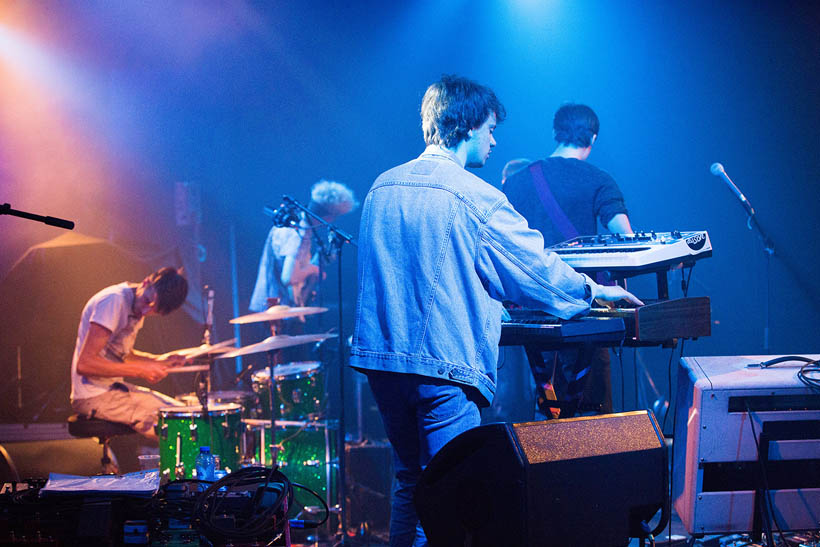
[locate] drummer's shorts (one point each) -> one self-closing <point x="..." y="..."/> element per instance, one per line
<point x="128" y="404"/>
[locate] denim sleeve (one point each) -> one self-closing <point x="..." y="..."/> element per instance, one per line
<point x="514" y="266"/>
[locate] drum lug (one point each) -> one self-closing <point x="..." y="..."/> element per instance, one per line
<point x="226" y="430"/>
<point x="163" y="432"/>
<point x="179" y="471"/>
<point x="194" y="432"/>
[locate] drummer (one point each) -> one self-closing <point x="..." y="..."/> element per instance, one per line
<point x="104" y="353"/>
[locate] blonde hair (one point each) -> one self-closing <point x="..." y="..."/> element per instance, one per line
<point x="328" y="197"/>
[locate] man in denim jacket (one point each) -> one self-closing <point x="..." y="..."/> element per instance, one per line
<point x="439" y="250"/>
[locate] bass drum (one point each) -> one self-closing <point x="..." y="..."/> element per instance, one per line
<point x="182" y="430"/>
<point x="306" y="454"/>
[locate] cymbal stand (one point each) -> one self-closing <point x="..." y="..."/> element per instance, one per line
<point x="203" y="385"/>
<point x="286" y="215"/>
<point x="273" y="358"/>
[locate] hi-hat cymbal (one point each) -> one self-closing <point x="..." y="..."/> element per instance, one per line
<point x="276" y="342"/>
<point x="276" y="312"/>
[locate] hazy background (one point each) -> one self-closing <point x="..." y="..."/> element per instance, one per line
<point x="106" y="106"/>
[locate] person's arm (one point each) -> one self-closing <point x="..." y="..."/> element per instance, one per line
<point x="91" y="363"/>
<point x="619" y="224"/>
<point x="515" y="267"/>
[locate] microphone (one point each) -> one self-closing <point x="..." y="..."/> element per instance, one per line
<point x="718" y="170"/>
<point x="209" y="317"/>
<point x="284" y="216"/>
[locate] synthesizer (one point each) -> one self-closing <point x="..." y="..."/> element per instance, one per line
<point x="662" y="322"/>
<point x="527" y="327"/>
<point x="635" y="253"/>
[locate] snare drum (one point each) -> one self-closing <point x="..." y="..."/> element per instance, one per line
<point x="246" y="399"/>
<point x="306" y="455"/>
<point x="183" y="429"/>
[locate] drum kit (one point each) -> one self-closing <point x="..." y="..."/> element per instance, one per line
<point x="281" y="420"/>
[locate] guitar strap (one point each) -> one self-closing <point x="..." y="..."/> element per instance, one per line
<point x="554" y="211"/>
<point x="556" y="214"/>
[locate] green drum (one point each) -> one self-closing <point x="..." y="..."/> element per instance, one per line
<point x="260" y="381"/>
<point x="183" y="429"/>
<point x="296" y="393"/>
<point x="307" y="454"/>
<point x="246" y="399"/>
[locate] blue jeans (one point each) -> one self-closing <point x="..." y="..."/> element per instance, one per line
<point x="420" y="416"/>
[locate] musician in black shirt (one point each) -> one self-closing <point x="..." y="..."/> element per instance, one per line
<point x="563" y="196"/>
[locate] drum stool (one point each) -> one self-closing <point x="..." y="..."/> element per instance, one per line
<point x="85" y="427"/>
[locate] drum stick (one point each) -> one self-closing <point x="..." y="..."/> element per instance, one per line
<point x="191" y="368"/>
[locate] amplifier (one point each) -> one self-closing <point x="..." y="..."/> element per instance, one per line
<point x="726" y="408"/>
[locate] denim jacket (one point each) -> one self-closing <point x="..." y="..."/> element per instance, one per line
<point x="439" y="250"/>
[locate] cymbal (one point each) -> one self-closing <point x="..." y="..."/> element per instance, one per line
<point x="276" y="342"/>
<point x="204" y="349"/>
<point x="276" y="312"/>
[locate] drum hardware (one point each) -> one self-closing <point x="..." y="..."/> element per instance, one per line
<point x="179" y="468"/>
<point x="292" y="396"/>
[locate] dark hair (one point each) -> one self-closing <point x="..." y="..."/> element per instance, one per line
<point x="171" y="287"/>
<point x="453" y="106"/>
<point x="575" y="124"/>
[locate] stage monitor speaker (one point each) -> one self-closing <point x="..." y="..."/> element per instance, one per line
<point x="734" y="419"/>
<point x="36" y="459"/>
<point x="587" y="481"/>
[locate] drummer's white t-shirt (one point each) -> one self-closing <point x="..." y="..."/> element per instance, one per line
<point x="110" y="308"/>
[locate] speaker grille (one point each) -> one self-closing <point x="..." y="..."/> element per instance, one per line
<point x="577" y="438"/>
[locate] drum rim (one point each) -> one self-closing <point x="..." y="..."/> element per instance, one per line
<point x="315" y="368"/>
<point x="264" y="374"/>
<point x="306" y="424"/>
<point x="235" y="393"/>
<point x="223" y="409"/>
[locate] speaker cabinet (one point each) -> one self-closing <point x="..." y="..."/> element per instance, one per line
<point x="36" y="459"/>
<point x="730" y="409"/>
<point x="585" y="481"/>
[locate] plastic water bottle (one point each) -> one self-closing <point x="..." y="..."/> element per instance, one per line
<point x="204" y="464"/>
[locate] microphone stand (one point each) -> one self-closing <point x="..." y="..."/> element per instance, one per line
<point x="768" y="245"/>
<point x="768" y="251"/>
<point x="337" y="239"/>
<point x="6" y="209"/>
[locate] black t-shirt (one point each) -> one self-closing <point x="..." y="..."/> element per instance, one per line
<point x="584" y="192"/>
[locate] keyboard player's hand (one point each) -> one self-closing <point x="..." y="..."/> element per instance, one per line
<point x="607" y="294"/>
